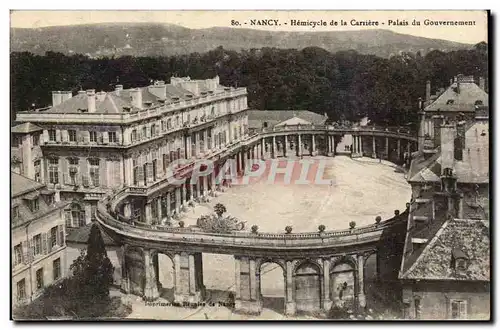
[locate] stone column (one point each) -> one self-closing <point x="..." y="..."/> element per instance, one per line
<point x="289" y="290"/>
<point x="360" y="145"/>
<point x="125" y="281"/>
<point x="329" y="147"/>
<point x="182" y="194"/>
<point x="286" y="146"/>
<point x="247" y="297"/>
<point x="243" y="161"/>
<point x="262" y="147"/>
<point x="361" y="282"/>
<point x="399" y="149"/>
<point x="300" y="145"/>
<point x="147" y="213"/>
<point x="188" y="147"/>
<point x="274" y="147"/>
<point x="354" y="145"/>
<point x="313" y="145"/>
<point x="158" y="211"/>
<point x="168" y="197"/>
<point x="374" y="148"/>
<point x="127" y="209"/>
<point x="178" y="200"/>
<point x="150" y="284"/>
<point x="387" y="147"/>
<point x="327" y="303"/>
<point x="188" y="289"/>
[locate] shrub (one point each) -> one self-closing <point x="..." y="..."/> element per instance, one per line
<point x="220" y="209"/>
<point x="288" y="229"/>
<point x="352" y="224"/>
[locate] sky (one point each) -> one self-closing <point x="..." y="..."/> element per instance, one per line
<point x="204" y="19"/>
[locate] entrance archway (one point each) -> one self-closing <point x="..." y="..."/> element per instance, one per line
<point x="343" y="284"/>
<point x="164" y="265"/>
<point x="271" y="282"/>
<point x="308" y="287"/>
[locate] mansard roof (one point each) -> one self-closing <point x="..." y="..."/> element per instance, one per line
<point x="462" y="96"/>
<point x="25" y="128"/>
<point x="471" y="237"/>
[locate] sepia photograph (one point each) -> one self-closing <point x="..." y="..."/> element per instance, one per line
<point x="250" y="165"/>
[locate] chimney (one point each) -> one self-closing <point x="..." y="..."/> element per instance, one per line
<point x="101" y="96"/>
<point x="482" y="85"/>
<point x="91" y="100"/>
<point x="118" y="89"/>
<point x="56" y="98"/>
<point x="438" y="121"/>
<point x="136" y="97"/>
<point x="66" y="95"/>
<point x="428" y="92"/>
<point x="447" y="146"/>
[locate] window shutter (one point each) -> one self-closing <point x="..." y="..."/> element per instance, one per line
<point x="148" y="131"/>
<point x="105" y="137"/>
<point x="45" y="136"/>
<point x="31" y="250"/>
<point x="49" y="241"/>
<point x="463" y="309"/>
<point x="103" y="174"/>
<point x="60" y="240"/>
<point x="86" y="137"/>
<point x="58" y="135"/>
<point x="64" y="170"/>
<point x="44" y="243"/>
<point x="118" y="137"/>
<point x="25" y="251"/>
<point x="116" y="173"/>
<point x="67" y="218"/>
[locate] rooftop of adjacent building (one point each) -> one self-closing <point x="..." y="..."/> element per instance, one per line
<point x="133" y="99"/>
<point x="24" y="190"/>
<point x="472" y="168"/>
<point x="463" y="95"/>
<point x="454" y="239"/>
<point x="25" y="128"/>
<point x="80" y="235"/>
<point x="257" y="118"/>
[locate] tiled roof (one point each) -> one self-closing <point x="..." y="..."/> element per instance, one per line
<point x="111" y="104"/>
<point x="459" y="99"/>
<point x="424" y="170"/>
<point x="25" y="128"/>
<point x="293" y="122"/>
<point x="81" y="235"/>
<point x="256" y="118"/>
<point x="21" y="185"/>
<point x="471" y="237"/>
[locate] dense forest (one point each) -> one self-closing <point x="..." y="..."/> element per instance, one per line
<point x="345" y="85"/>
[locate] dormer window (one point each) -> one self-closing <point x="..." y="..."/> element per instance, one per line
<point x="459" y="260"/>
<point x="450" y="102"/>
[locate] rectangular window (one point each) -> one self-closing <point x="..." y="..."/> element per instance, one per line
<point x="38" y="170"/>
<point x="53" y="236"/>
<point x="93" y="210"/>
<point x="52" y="135"/>
<point x="133" y="136"/>
<point x="94" y="176"/>
<point x="72" y="135"/>
<point x="56" y="269"/>
<point x="458" y="309"/>
<point x="39" y="279"/>
<point x="21" y="290"/>
<point x="15" y="212"/>
<point x="153" y="130"/>
<point x="93" y="136"/>
<point x="18" y="254"/>
<point x="34" y="205"/>
<point x="37" y="244"/>
<point x="112" y="137"/>
<point x="54" y="170"/>
<point x="35" y="140"/>
<point x="144" y="132"/>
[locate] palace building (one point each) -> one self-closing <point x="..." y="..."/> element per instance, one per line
<point x="86" y="145"/>
<point x="38" y="239"/>
<point x="445" y="270"/>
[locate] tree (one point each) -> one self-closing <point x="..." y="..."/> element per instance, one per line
<point x="93" y="270"/>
